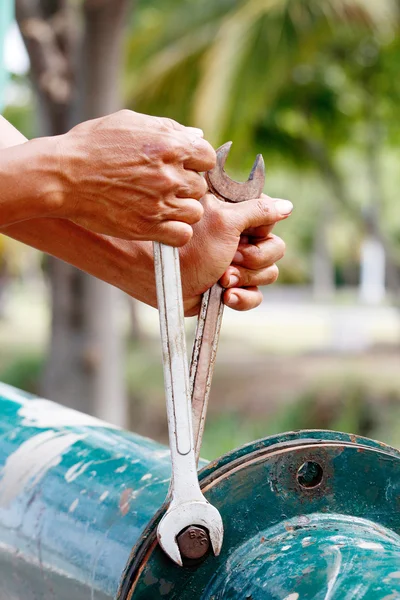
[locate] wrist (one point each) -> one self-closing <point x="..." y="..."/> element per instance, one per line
<point x="30" y="184"/>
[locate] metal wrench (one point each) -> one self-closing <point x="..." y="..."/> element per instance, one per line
<point x="212" y="306"/>
<point x="188" y="506"/>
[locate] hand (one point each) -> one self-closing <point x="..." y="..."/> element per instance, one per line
<point x="134" y="177"/>
<point x="233" y="244"/>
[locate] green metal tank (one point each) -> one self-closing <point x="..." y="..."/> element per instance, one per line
<point x="307" y="515"/>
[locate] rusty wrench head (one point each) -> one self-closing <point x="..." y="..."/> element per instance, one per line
<point x="228" y="189"/>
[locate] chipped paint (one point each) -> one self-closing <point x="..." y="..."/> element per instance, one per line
<point x="76" y="470"/>
<point x="124" y="501"/>
<point x="104" y="495"/>
<point x="146" y="477"/>
<point x="370" y="545"/>
<point x="121" y="469"/>
<point x="73" y="505"/>
<point x="25" y="467"/>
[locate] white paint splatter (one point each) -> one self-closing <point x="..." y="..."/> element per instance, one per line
<point x="31" y="461"/>
<point x="76" y="470"/>
<point x="294" y="596"/>
<point x="307" y="541"/>
<point x="147" y="476"/>
<point x="121" y="469"/>
<point x="334" y="574"/>
<point x="104" y="495"/>
<point x="73" y="505"/>
<point x="43" y="414"/>
<point x="284" y="548"/>
<point x="369" y="545"/>
<point x="12" y="394"/>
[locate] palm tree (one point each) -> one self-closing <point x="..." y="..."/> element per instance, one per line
<point x="264" y="73"/>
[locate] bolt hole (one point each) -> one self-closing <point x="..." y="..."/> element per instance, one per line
<point x="310" y="474"/>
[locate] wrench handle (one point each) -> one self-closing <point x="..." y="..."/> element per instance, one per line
<point x="203" y="358"/>
<point x="176" y="377"/>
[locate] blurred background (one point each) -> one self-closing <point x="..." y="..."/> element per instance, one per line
<point x="314" y="85"/>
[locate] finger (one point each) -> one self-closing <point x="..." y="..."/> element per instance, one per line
<point x="200" y="155"/>
<point x="193" y="186"/>
<point x="188" y="210"/>
<point x="264" y="230"/>
<point x="259" y="212"/>
<point x="243" y="298"/>
<point x="258" y="255"/>
<point x="259" y="232"/>
<point x="240" y="277"/>
<point x="172" y="233"/>
<point x="195" y="131"/>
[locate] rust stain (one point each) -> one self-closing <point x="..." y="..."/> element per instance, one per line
<point x="124" y="501"/>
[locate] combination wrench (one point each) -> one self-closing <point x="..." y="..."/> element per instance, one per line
<point x="187" y="399"/>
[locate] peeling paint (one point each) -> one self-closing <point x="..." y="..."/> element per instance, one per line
<point x="76" y="470"/>
<point x="73" y="505"/>
<point x="370" y="545"/>
<point x="121" y="469"/>
<point x="43" y="414"/>
<point x="31" y="461"/>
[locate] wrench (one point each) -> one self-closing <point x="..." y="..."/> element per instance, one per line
<point x="188" y="506"/>
<point x="212" y="306"/>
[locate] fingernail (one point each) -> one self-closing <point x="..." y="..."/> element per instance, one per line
<point x="233" y="280"/>
<point x="284" y="207"/>
<point x="238" y="258"/>
<point x="233" y="300"/>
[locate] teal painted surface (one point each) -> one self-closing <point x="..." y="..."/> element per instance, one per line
<point x="318" y="557"/>
<point x="80" y="501"/>
<point x="6" y="15"/>
<point x="256" y="490"/>
<point x="75" y="497"/>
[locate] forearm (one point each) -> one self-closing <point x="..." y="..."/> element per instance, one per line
<point x="127" y="265"/>
<point x="29" y="183"/>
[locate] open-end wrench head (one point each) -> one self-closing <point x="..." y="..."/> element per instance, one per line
<point x="230" y="190"/>
<point x="183" y="515"/>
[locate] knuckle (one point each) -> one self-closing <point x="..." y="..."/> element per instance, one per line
<point x="168" y="180"/>
<point x="263" y="207"/>
<point x="170" y="123"/>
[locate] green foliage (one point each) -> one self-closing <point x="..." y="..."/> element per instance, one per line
<point x="24" y="372"/>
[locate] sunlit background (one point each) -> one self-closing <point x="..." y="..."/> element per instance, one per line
<point x="312" y="84"/>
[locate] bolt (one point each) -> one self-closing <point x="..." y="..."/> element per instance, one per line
<point x="193" y="542"/>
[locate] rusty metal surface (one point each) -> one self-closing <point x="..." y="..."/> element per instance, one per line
<point x="194" y="543"/>
<point x="261" y="486"/>
<point x="227" y="189"/>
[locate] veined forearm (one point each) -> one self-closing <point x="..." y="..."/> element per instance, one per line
<point x="127" y="265"/>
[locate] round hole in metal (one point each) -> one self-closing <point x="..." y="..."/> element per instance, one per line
<point x="310" y="474"/>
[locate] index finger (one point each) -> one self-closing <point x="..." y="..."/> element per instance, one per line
<point x="200" y="155"/>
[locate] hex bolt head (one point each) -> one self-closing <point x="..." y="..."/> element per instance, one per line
<point x="193" y="542"/>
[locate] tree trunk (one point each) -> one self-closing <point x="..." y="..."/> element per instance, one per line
<point x="85" y="363"/>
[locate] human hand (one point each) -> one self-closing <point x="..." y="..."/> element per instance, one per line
<point x="134" y="176"/>
<point x="233" y="244"/>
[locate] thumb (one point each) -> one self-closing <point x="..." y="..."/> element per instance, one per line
<point x="260" y="212"/>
